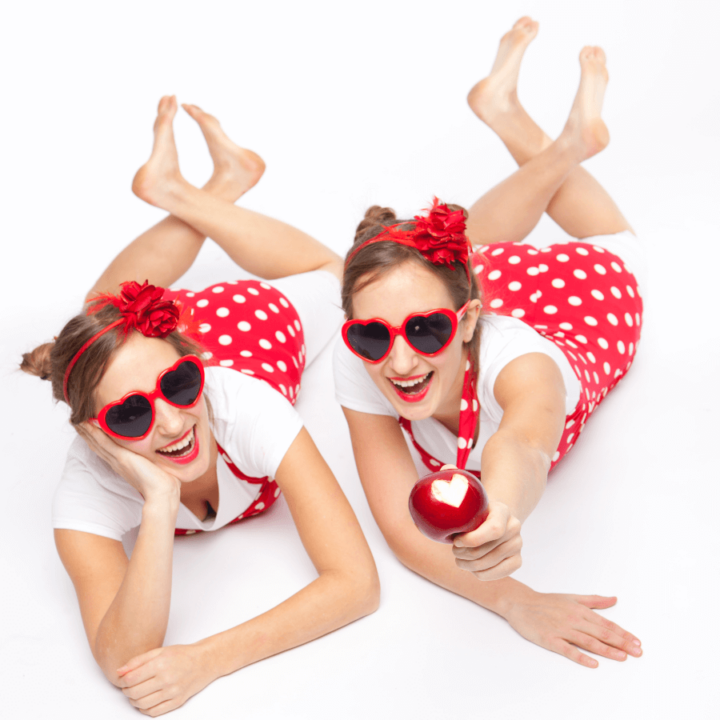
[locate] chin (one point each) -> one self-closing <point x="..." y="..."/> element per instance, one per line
<point x="414" y="411"/>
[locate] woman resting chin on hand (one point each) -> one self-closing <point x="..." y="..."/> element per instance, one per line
<point x="501" y="382"/>
<point x="168" y="427"/>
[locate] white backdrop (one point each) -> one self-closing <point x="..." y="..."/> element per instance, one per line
<point x="352" y="104"/>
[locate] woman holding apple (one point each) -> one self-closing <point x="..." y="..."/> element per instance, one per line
<point x="178" y="437"/>
<point x="504" y="393"/>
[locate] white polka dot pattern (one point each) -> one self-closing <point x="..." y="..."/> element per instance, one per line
<point x="576" y="288"/>
<point x="235" y="335"/>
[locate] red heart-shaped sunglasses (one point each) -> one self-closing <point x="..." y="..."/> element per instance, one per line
<point x="132" y="417"/>
<point x="429" y="333"/>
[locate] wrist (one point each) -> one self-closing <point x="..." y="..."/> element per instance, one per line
<point x="505" y="595"/>
<point x="161" y="506"/>
<point x="213" y="657"/>
<point x="515" y="594"/>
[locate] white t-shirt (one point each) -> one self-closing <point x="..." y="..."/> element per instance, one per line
<point x="253" y="423"/>
<point x="502" y="340"/>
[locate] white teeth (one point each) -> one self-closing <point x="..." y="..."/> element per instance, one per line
<point x="178" y="445"/>
<point x="409" y="383"/>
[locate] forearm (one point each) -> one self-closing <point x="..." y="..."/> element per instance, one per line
<point x="436" y="562"/>
<point x="514" y="473"/>
<point x="330" y="602"/>
<point x="137" y="619"/>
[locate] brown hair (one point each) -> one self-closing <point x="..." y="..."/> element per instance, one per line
<point x="374" y="261"/>
<point x="50" y="360"/>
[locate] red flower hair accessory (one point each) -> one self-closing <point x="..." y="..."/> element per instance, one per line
<point x="142" y="309"/>
<point x="439" y="237"/>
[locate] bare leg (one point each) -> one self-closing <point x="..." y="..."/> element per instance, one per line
<point x="580" y="206"/>
<point x="167" y="250"/>
<point x="262" y="245"/>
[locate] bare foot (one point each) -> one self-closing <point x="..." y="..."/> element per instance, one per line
<point x="585" y="129"/>
<point x="236" y="169"/>
<point x="496" y="96"/>
<point x="161" y="173"/>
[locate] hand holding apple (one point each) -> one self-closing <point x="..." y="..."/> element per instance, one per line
<point x="448" y="502"/>
<point x="492" y="551"/>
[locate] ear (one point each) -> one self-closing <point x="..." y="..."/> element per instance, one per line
<point x="470" y="320"/>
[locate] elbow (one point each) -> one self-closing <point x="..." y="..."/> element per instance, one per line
<point x="402" y="550"/>
<point x="108" y="662"/>
<point x="366" y="592"/>
<point x="357" y="591"/>
<point x="110" y="654"/>
<point x="372" y="596"/>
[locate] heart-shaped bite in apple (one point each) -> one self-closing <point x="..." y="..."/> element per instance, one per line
<point x="448" y="502"/>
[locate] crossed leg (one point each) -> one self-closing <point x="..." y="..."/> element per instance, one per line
<point x="550" y="178"/>
<point x="263" y="246"/>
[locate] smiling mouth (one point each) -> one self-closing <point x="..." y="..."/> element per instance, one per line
<point x="182" y="448"/>
<point x="414" y="386"/>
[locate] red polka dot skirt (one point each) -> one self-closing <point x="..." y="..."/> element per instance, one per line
<point x="253" y="328"/>
<point x="580" y="297"/>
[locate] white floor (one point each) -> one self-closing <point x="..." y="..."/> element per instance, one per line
<point x="355" y="104"/>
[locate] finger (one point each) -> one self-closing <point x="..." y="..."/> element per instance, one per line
<point x="512" y="535"/>
<point x="609" y="633"/>
<point x="593" y="645"/>
<point x="595" y="601"/>
<point x="503" y="569"/>
<point x="493" y="557"/>
<point x="137" y="662"/>
<point x="150" y="701"/>
<point x="562" y="647"/>
<point x="99" y="436"/>
<point x="448" y="467"/>
<point x="476" y="552"/>
<point x="94" y="437"/>
<point x="143" y="689"/>
<point x="492" y="529"/>
<point x="163" y="707"/>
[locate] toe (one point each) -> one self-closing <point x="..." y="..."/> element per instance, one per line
<point x="192" y="110"/>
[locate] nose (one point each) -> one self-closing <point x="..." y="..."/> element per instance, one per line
<point x="403" y="358"/>
<point x="169" y="420"/>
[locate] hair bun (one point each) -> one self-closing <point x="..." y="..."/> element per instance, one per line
<point x="37" y="362"/>
<point x="376" y="217"/>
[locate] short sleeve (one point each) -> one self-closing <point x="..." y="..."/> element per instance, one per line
<point x="503" y="340"/>
<point x="354" y="389"/>
<point x="253" y="422"/>
<point x="92" y="498"/>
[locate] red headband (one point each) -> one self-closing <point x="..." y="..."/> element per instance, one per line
<point x="439" y="237"/>
<point x="142" y="309"/>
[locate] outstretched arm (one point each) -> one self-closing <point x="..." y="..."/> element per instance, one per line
<point x="561" y="623"/>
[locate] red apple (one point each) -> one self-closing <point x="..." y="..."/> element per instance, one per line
<point x="448" y="502"/>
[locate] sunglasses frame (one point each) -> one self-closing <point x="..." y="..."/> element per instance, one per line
<point x="453" y="316"/>
<point x="151" y="397"/>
